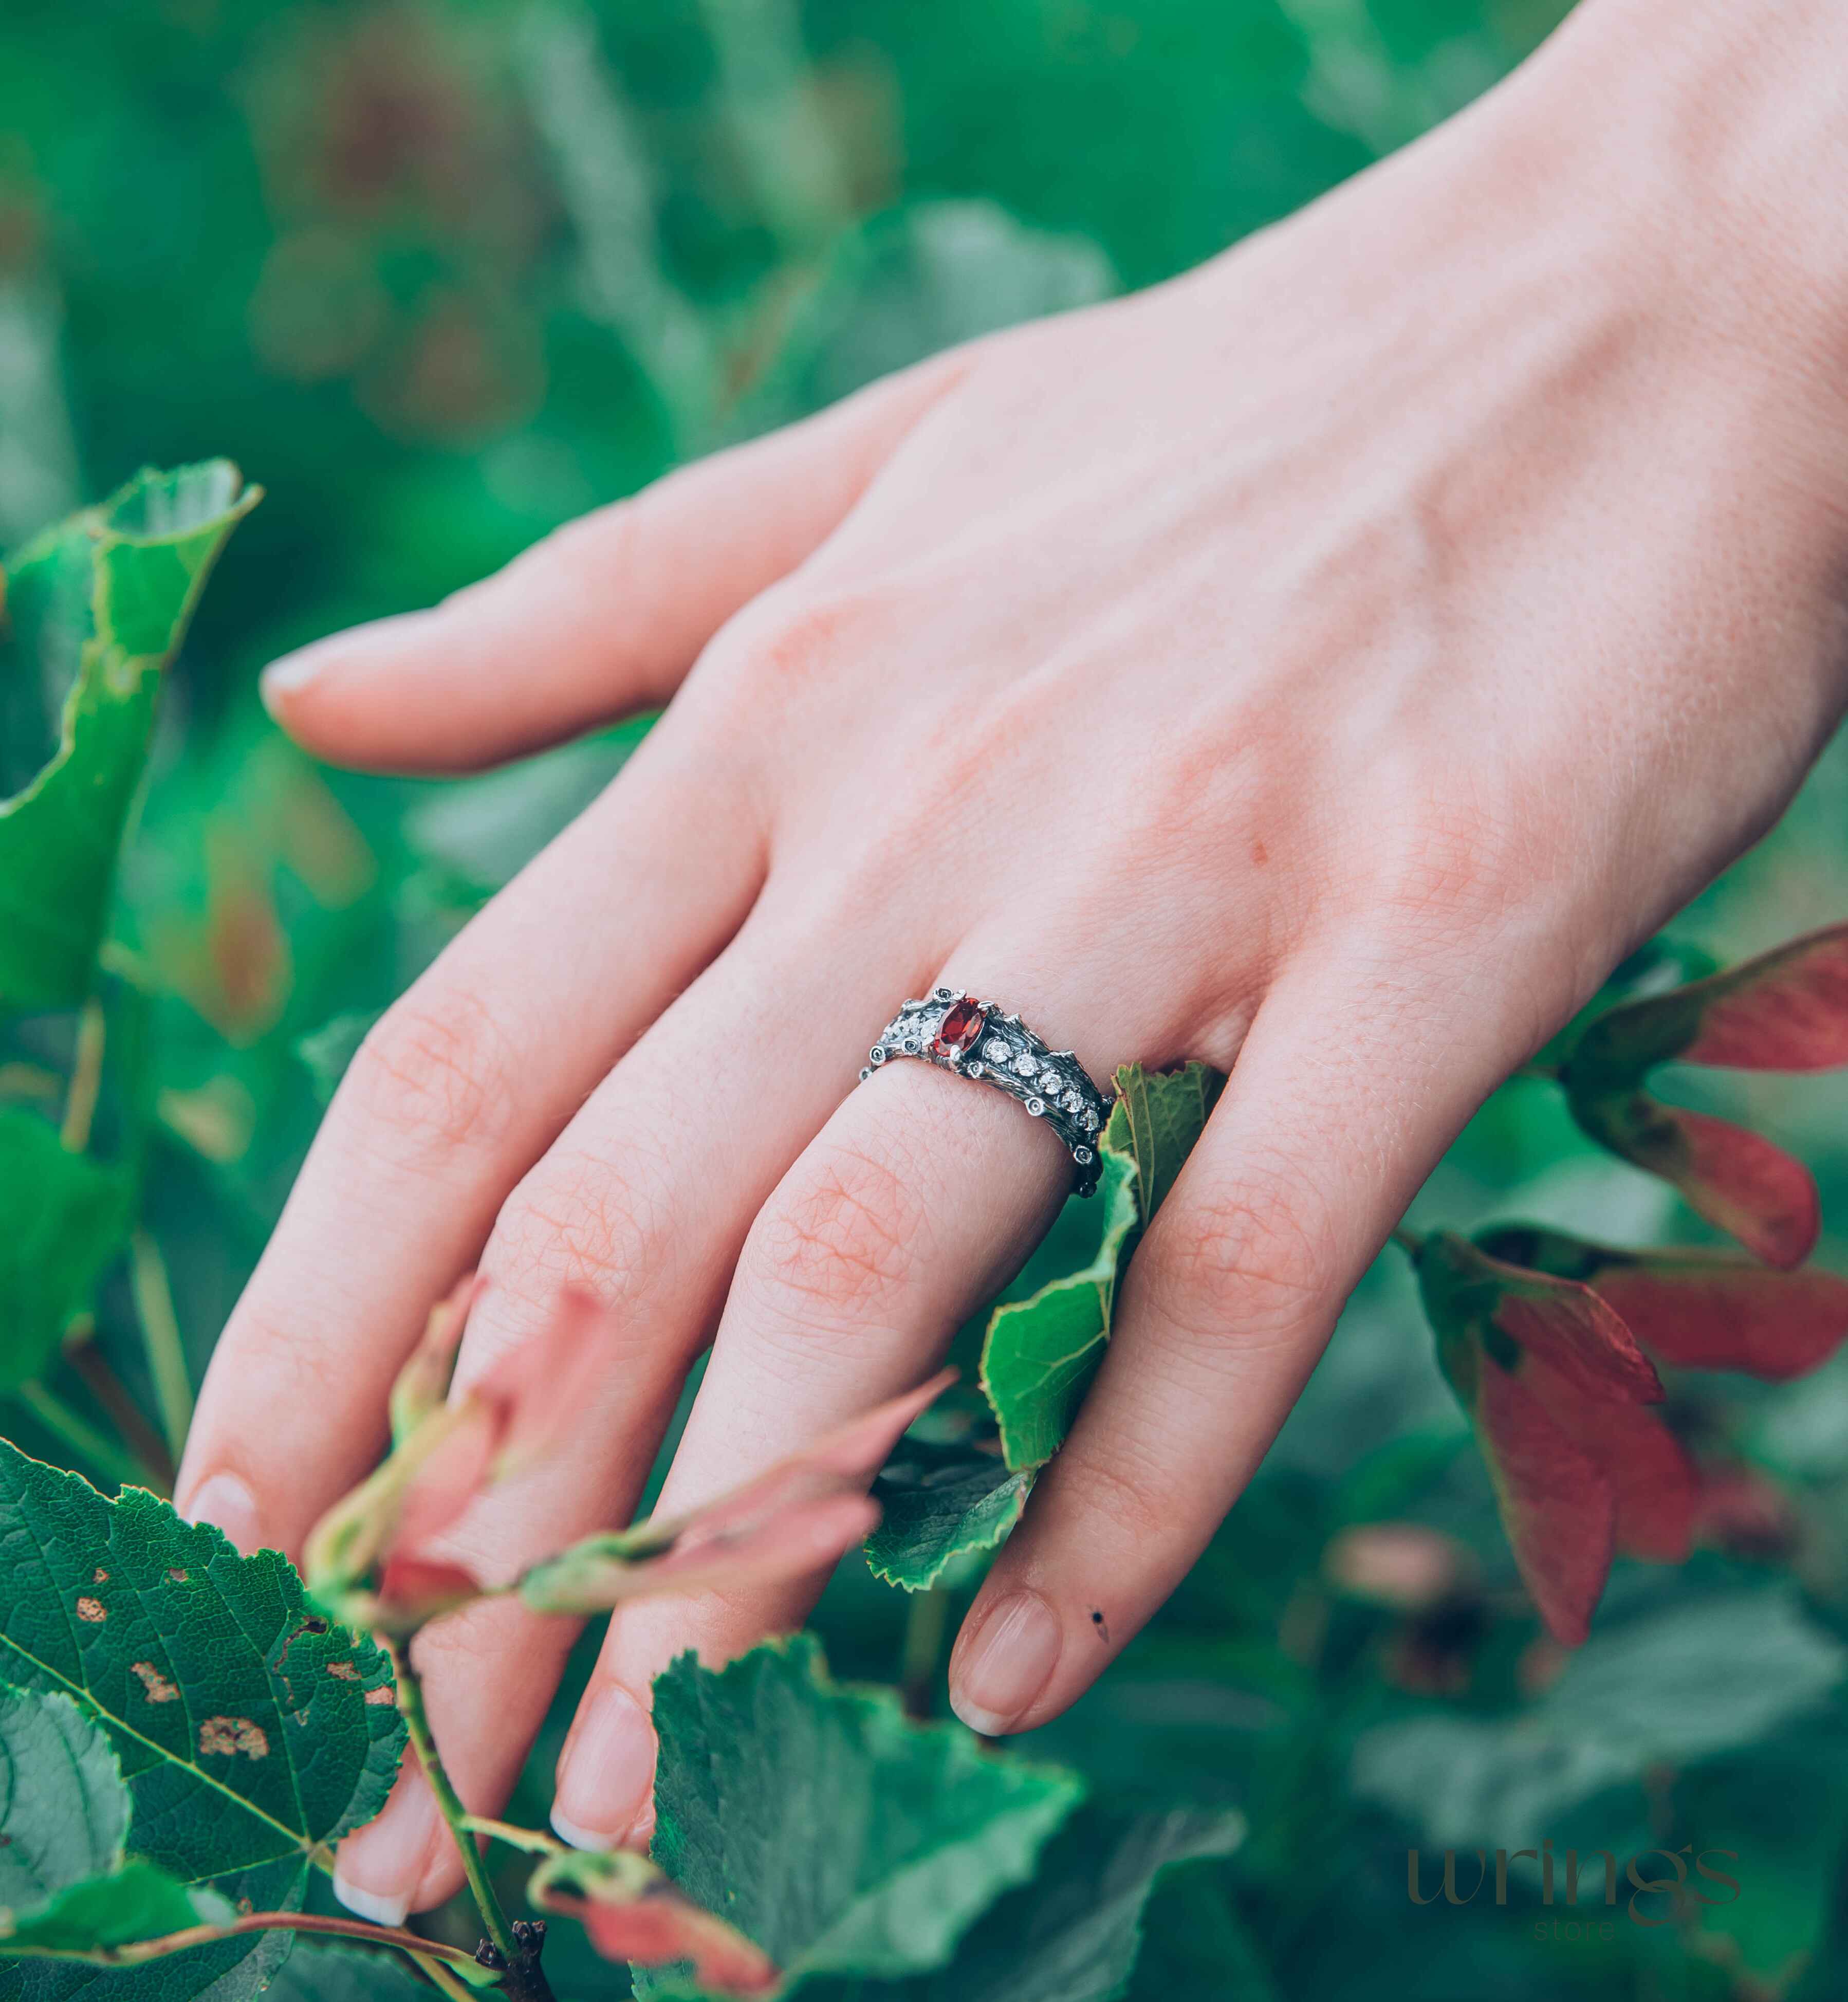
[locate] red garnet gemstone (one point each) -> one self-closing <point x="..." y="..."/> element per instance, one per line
<point x="961" y="1026"/>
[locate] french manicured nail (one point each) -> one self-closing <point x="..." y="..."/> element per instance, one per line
<point x="1007" y="1663"/>
<point x="608" y="1769"/>
<point x="378" y="1869"/>
<point x="224" y="1501"/>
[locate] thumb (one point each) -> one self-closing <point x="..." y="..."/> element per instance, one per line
<point x="605" y="616"/>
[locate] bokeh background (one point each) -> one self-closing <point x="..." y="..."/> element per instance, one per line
<point x="442" y="275"/>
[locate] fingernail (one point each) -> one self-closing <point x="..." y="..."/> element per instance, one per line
<point x="378" y="1868"/>
<point x="224" y="1501"/>
<point x="1006" y="1665"/>
<point x="608" y="1770"/>
<point x="293" y="671"/>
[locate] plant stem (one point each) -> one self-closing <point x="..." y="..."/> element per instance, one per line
<point x="524" y="1982"/>
<point x="88" y="1362"/>
<point x="442" y="1980"/>
<point x="1409" y="1242"/>
<point x="79" y="1434"/>
<point x="534" y="1841"/>
<point x="262" y="1922"/>
<point x="926" y="1619"/>
<point x="162" y="1338"/>
<point x="86" y="1079"/>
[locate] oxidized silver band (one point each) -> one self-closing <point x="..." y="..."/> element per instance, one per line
<point x="956" y="1032"/>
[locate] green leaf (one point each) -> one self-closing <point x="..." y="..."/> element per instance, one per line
<point x="941" y="1502"/>
<point x="64" y="1809"/>
<point x="96" y="608"/>
<point x="137" y="1902"/>
<point x="1661" y="1686"/>
<point x="67" y="1215"/>
<point x="249" y="1733"/>
<point x="1072" y="1934"/>
<point x="815" y="1819"/>
<point x="1157" y="1118"/>
<point x="318" y="1972"/>
<point x="64" y="1883"/>
<point x="1041" y="1353"/>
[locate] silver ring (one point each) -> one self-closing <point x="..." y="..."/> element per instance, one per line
<point x="956" y="1032"/>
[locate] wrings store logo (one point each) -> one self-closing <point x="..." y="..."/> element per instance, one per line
<point x="1653" y="1893"/>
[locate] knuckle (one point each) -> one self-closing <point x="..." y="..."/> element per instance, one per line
<point x="576" y="1221"/>
<point x="431" y="1079"/>
<point x="1251" y="1265"/>
<point x="1131" y="1490"/>
<point x="787" y="636"/>
<point x="839" y="1238"/>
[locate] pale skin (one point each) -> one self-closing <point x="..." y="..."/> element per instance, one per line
<point x="1327" y="665"/>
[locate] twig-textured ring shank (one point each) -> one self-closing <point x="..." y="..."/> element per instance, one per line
<point x="956" y="1032"/>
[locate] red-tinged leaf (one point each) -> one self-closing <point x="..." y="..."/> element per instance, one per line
<point x="1557" y="1503"/>
<point x="797" y="1518"/>
<point x="848" y="1455"/>
<point x="801" y="1539"/>
<point x="1786" y="1011"/>
<point x="1569" y="1328"/>
<point x="541" y="1388"/>
<point x="1736" y="1179"/>
<point x="413" y="1591"/>
<point x="1653" y="1481"/>
<point x="633" y="1913"/>
<point x="1751" y="1189"/>
<point x="451" y="1474"/>
<point x="1704" y="1310"/>
<point x="1470" y="1295"/>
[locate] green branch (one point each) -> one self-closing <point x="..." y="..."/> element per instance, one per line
<point x="253" y="1922"/>
<point x="519" y="1960"/>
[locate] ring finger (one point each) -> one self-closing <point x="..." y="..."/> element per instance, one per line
<point x="920" y="1198"/>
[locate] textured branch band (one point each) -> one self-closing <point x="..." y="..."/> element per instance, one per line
<point x="956" y="1032"/>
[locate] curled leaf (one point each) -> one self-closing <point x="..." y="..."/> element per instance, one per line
<point x="797" y="1518"/>
<point x="633" y="1913"/>
<point x="1562" y="1321"/>
<point x="370" y="1560"/>
<point x="1559" y="1394"/>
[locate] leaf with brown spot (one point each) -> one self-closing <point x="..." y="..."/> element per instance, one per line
<point x="260" y="1758"/>
<point x="158" y="1688"/>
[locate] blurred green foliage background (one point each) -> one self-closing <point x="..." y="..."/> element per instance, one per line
<point x="442" y="275"/>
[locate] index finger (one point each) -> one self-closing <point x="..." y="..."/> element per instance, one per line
<point x="452" y="1097"/>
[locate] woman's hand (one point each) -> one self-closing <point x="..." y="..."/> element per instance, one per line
<point x="1334" y="661"/>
